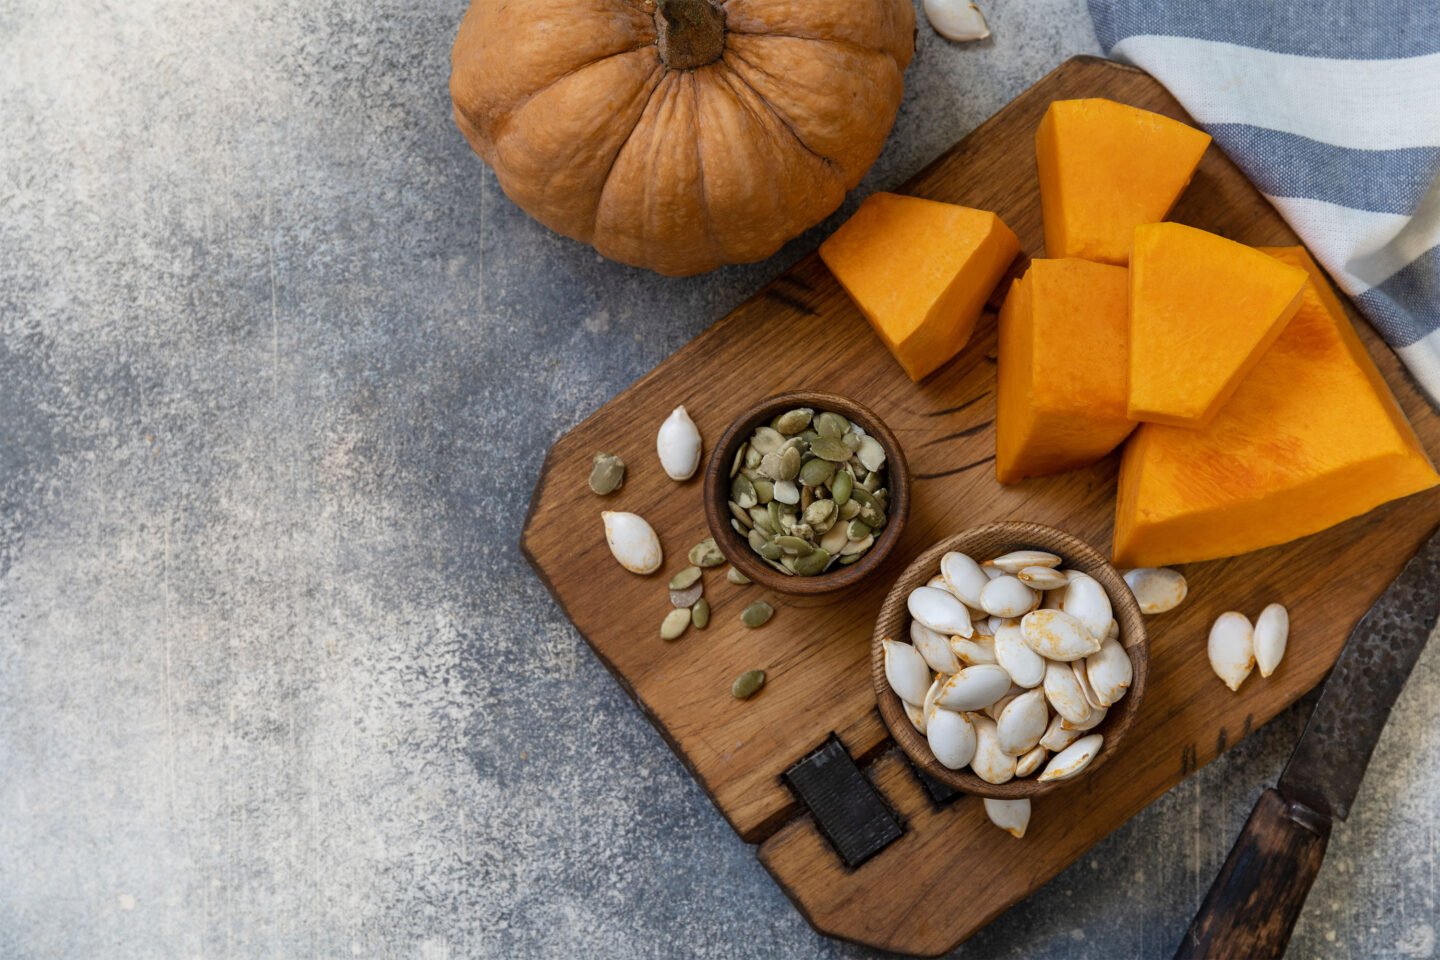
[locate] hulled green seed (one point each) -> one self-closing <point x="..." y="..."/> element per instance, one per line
<point x="700" y="614"/>
<point x="764" y="490"/>
<point x="747" y="684"/>
<point x="757" y="614"/>
<point x="793" y="421"/>
<point x="674" y="623"/>
<point x="789" y="464"/>
<point x="706" y="554"/>
<point x="828" y="449"/>
<point x="857" y="530"/>
<point x="685" y="578"/>
<point x="831" y="425"/>
<point x="607" y="474"/>
<point x="840" y="486"/>
<point x="736" y="577"/>
<point x="820" y="514"/>
<point x="742" y="491"/>
<point x="816" y="472"/>
<point x="812" y="563"/>
<point x="795" y="546"/>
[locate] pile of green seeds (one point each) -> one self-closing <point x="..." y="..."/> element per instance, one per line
<point x="808" y="491"/>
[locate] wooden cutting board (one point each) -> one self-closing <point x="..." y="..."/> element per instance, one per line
<point x="950" y="871"/>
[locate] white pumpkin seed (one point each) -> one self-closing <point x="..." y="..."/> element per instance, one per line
<point x="990" y="763"/>
<point x="916" y="716"/>
<point x="1232" y="648"/>
<point x="1022" y="723"/>
<point x="632" y="541"/>
<point x="957" y="20"/>
<point x="906" y="671"/>
<point x="1042" y="578"/>
<point x="939" y="611"/>
<point x="951" y="737"/>
<point x="1272" y="631"/>
<point x="1018" y="560"/>
<point x="675" y="623"/>
<point x="993" y="711"/>
<point x="934" y="647"/>
<point x="1110" y="672"/>
<point x="1086" y="601"/>
<point x="964" y="577"/>
<point x="1057" y="636"/>
<point x="1012" y="816"/>
<point x="1073" y="759"/>
<point x="678" y="444"/>
<point x="973" y="688"/>
<point x="992" y="573"/>
<point x="979" y="648"/>
<point x="1082" y="677"/>
<point x="929" y="705"/>
<point x="1096" y="718"/>
<point x="1058" y="736"/>
<point x="1157" y="589"/>
<point x="1030" y="762"/>
<point x="1064" y="693"/>
<point x="1006" y="596"/>
<point x="1025" y="666"/>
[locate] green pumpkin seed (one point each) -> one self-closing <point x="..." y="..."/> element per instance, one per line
<point x="851" y="441"/>
<point x="757" y="614"/>
<point x="787" y="563"/>
<point x="793" y="545"/>
<point x="687" y="597"/>
<point x="739" y="460"/>
<point x="792" y="422"/>
<point x="772" y="510"/>
<point x="706" y="554"/>
<point x="736" y="577"/>
<point x="674" y="623"/>
<point x="789" y="464"/>
<point x="816" y="472"/>
<point x="863" y="496"/>
<point x="871" y="514"/>
<point x="760" y="518"/>
<point x="840" y="486"/>
<point x="742" y="516"/>
<point x="752" y="458"/>
<point x="764" y="490"/>
<point x="857" y="530"/>
<point x="757" y="539"/>
<point x="820" y="513"/>
<point x="871" y="482"/>
<point x="742" y="491"/>
<point x="766" y="440"/>
<point x="828" y="449"/>
<point x="857" y="547"/>
<point x="747" y="684"/>
<point x="871" y="453"/>
<point x="845" y="561"/>
<point x="684" y="578"/>
<point x="607" y="474"/>
<point x="812" y="563"/>
<point x="700" y="614"/>
<point x="831" y="425"/>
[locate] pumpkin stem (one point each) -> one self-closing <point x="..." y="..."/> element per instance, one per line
<point x="690" y="33"/>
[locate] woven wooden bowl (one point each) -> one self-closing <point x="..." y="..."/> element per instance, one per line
<point x="717" y="494"/>
<point x="983" y="543"/>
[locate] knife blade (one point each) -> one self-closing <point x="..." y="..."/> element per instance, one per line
<point x="1253" y="904"/>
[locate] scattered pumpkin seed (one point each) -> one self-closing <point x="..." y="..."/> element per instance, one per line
<point x="747" y="684"/>
<point x="794" y="421"/>
<point x="607" y="474"/>
<point x="757" y="614"/>
<point x="700" y="614"/>
<point x="706" y="554"/>
<point x="736" y="577"/>
<point x="688" y="596"/>
<point x="675" y="623"/>
<point x="685" y="578"/>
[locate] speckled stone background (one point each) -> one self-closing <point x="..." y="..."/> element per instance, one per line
<point x="279" y="366"/>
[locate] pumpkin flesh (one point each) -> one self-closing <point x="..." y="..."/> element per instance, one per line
<point x="1311" y="438"/>
<point x="1061" y="386"/>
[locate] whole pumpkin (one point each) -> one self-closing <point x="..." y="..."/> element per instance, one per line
<point x="680" y="135"/>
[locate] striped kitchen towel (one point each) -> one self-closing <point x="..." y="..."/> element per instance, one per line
<point x="1332" y="108"/>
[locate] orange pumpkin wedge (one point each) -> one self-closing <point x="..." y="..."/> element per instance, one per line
<point x="920" y="271"/>
<point x="1203" y="309"/>
<point x="1063" y="355"/>
<point x="1312" y="437"/>
<point x="1106" y="168"/>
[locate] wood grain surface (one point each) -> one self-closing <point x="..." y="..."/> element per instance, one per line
<point x="951" y="872"/>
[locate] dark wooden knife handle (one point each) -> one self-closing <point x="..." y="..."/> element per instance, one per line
<point x="1253" y="904"/>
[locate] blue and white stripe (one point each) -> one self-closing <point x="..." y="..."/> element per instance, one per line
<point x="1332" y="108"/>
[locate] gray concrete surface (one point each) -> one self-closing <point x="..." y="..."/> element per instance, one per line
<point x="279" y="366"/>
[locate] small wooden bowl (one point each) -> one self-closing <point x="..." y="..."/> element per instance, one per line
<point x="984" y="543"/>
<point x="717" y="493"/>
